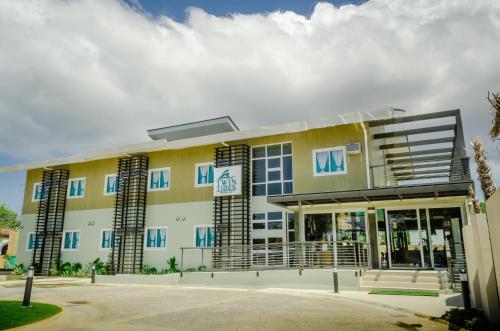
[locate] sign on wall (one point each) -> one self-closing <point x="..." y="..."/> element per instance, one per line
<point x="227" y="181"/>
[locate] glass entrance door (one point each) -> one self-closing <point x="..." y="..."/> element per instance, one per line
<point x="405" y="239"/>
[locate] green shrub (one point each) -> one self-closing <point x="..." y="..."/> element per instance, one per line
<point x="471" y="320"/>
<point x="19" y="269"/>
<point x="101" y="268"/>
<point x="172" y="266"/>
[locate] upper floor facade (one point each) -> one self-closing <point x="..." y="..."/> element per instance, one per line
<point x="352" y="152"/>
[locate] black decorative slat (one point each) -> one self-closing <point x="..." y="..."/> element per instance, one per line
<point x="130" y="215"/>
<point x="232" y="213"/>
<point x="50" y="221"/>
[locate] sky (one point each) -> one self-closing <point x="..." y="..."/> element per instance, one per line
<point x="81" y="75"/>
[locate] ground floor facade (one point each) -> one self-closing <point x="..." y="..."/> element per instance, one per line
<point x="396" y="234"/>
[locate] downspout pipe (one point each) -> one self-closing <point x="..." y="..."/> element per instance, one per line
<point x="367" y="161"/>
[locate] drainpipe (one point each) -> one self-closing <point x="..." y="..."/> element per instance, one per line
<point x="367" y="163"/>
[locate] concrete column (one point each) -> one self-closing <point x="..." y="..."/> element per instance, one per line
<point x="372" y="228"/>
<point x="302" y="231"/>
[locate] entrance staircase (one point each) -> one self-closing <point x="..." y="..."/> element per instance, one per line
<point x="403" y="280"/>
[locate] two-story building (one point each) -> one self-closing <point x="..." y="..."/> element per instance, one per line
<point x="380" y="189"/>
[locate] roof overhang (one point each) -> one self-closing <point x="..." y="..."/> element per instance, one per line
<point x="194" y="129"/>
<point x="377" y="194"/>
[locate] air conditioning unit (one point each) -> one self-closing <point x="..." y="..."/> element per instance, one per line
<point x="354" y="148"/>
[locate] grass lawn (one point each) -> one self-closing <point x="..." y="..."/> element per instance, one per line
<point x="422" y="293"/>
<point x="12" y="314"/>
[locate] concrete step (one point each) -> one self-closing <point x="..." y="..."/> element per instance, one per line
<point x="403" y="279"/>
<point x="399" y="285"/>
<point x="419" y="273"/>
<point x="371" y="288"/>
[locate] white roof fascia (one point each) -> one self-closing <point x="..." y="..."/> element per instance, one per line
<point x="159" y="145"/>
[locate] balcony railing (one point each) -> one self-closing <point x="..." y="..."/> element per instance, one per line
<point x="299" y="255"/>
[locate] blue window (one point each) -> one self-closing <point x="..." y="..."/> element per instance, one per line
<point x="71" y="240"/>
<point x="329" y="161"/>
<point x="159" y="179"/>
<point x="156" y="238"/>
<point x="107" y="239"/>
<point x="110" y="184"/>
<point x="204" y="174"/>
<point x="204" y="236"/>
<point x="267" y="221"/>
<point x="37" y="192"/>
<point x="33" y="241"/>
<point x="76" y="188"/>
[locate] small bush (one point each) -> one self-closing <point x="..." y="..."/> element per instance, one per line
<point x="172" y="266"/>
<point x="471" y="320"/>
<point x="19" y="270"/>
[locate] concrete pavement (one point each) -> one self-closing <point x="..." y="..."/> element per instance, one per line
<point x="135" y="307"/>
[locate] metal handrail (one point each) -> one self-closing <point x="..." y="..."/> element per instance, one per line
<point x="298" y="255"/>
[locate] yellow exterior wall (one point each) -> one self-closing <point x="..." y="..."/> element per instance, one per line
<point x="182" y="167"/>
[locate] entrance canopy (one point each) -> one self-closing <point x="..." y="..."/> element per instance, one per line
<point x="376" y="194"/>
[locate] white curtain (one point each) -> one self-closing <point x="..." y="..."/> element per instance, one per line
<point x="338" y="157"/>
<point x="202" y="235"/>
<point x="322" y="161"/>
<point x="155" y="178"/>
<point x="151" y="237"/>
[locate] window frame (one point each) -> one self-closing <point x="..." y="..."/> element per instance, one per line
<point x="69" y="188"/>
<point x="266" y="158"/>
<point x="266" y="220"/>
<point x="203" y="226"/>
<point x="150" y="171"/>
<point x="196" y="174"/>
<point x="33" y="198"/>
<point x="329" y="149"/>
<point x="71" y="249"/>
<point x="27" y="249"/>
<point x="146" y="238"/>
<point x="101" y="237"/>
<point x="106" y="184"/>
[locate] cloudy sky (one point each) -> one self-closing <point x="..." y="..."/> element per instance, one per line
<point x="81" y="75"/>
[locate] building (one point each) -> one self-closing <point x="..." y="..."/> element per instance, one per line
<point x="8" y="247"/>
<point x="379" y="189"/>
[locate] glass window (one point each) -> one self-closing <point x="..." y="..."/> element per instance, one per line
<point x="287" y="149"/>
<point x="204" y="174"/>
<point x="274" y="163"/>
<point x="159" y="179"/>
<point x="270" y="166"/>
<point x="259" y="190"/>
<point x="107" y="238"/>
<point x="274" y="150"/>
<point x="270" y="221"/>
<point x="71" y="240"/>
<point x="33" y="241"/>
<point x="37" y="192"/>
<point x="259" y="226"/>
<point x="110" y="184"/>
<point x="275" y="225"/>
<point x="274" y="176"/>
<point x="274" y="189"/>
<point x="259" y="171"/>
<point x="275" y="215"/>
<point x="156" y="238"/>
<point x="318" y="227"/>
<point x="204" y="236"/>
<point x="259" y="241"/>
<point x="287" y="168"/>
<point x="259" y="152"/>
<point x="76" y="188"/>
<point x="351" y="226"/>
<point x="329" y="161"/>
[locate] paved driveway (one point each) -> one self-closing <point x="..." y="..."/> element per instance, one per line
<point x="118" y="307"/>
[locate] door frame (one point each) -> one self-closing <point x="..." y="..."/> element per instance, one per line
<point x="417" y="208"/>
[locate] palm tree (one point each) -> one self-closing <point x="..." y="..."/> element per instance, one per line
<point x="494" y="100"/>
<point x="483" y="170"/>
<point x="475" y="201"/>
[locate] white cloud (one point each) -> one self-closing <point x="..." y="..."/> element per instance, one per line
<point x="78" y="75"/>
